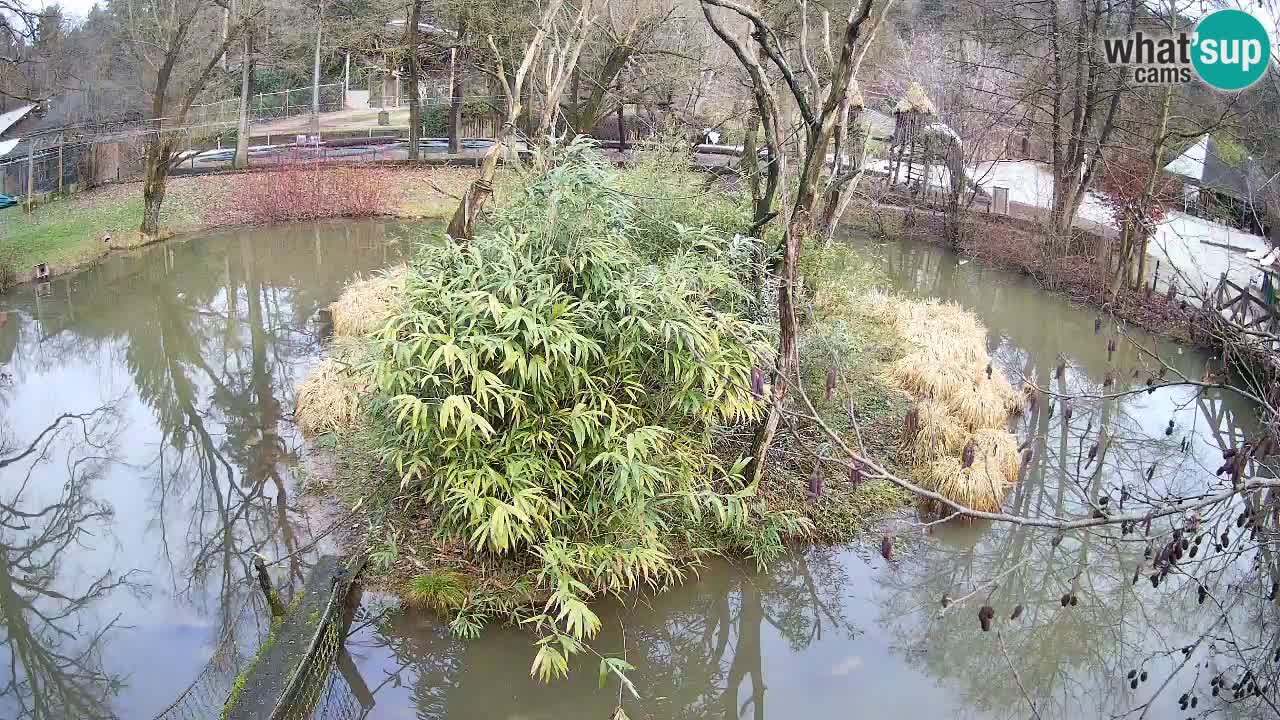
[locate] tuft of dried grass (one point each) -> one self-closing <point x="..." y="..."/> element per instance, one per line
<point x="329" y="397"/>
<point x="935" y="433"/>
<point x="983" y="484"/>
<point x="367" y="303"/>
<point x="962" y="404"/>
<point x="915" y="101"/>
<point x="985" y="403"/>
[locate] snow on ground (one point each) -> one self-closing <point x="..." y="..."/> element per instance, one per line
<point x="1180" y="240"/>
<point x="1031" y="183"/>
<point x="13" y="116"/>
<point x="938" y="175"/>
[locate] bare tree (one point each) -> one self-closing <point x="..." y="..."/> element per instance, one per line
<point x="463" y="224"/>
<point x="170" y="39"/>
<point x="415" y="96"/>
<point x="561" y="63"/>
<point x="820" y="102"/>
<point x="1050" y="61"/>
<point x="28" y="73"/>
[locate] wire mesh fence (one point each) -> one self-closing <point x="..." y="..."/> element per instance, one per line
<point x="233" y="654"/>
<point x="271" y="106"/>
<point x="56" y="168"/>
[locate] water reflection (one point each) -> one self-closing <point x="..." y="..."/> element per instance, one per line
<point x="51" y="666"/>
<point x="703" y="650"/>
<point x="836" y="633"/>
<point x="193" y="350"/>
<point x="1072" y="660"/>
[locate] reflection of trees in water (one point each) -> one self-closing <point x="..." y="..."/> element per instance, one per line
<point x="697" y="650"/>
<point x="50" y="646"/>
<point x="211" y="335"/>
<point x="1074" y="661"/>
<point x="214" y="353"/>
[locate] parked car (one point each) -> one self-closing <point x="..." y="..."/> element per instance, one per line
<point x="6" y="201"/>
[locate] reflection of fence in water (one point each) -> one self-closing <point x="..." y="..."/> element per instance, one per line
<point x="323" y="683"/>
<point x="233" y="654"/>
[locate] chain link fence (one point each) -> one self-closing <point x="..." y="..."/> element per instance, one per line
<point x="233" y="654"/>
<point x="270" y="106"/>
<point x="293" y="666"/>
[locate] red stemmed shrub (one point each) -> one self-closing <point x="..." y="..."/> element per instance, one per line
<point x="313" y="191"/>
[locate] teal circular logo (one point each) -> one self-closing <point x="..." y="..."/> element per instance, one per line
<point x="1231" y="49"/>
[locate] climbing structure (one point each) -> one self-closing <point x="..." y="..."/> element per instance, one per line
<point x="913" y="117"/>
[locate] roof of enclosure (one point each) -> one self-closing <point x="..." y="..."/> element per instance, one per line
<point x="9" y="119"/>
<point x="1202" y="163"/>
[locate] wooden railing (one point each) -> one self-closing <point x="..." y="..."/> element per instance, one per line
<point x="1255" y="318"/>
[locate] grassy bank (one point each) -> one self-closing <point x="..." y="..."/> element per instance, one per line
<point x="79" y="230"/>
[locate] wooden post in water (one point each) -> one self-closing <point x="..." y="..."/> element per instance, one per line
<point x="264" y="582"/>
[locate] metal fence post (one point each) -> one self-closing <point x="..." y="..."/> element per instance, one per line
<point x="31" y="173"/>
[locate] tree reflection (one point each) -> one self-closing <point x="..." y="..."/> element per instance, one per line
<point x="210" y="337"/>
<point x="698" y="650"/>
<point x="1089" y="446"/>
<point x="50" y="652"/>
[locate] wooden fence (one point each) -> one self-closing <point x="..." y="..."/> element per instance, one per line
<point x="1248" y="311"/>
<point x="1248" y="323"/>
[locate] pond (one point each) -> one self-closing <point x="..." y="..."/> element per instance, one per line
<point x="126" y="532"/>
<point x="148" y="452"/>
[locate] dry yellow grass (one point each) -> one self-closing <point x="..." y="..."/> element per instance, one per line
<point x="367" y="303"/>
<point x="329" y="397"/>
<point x="962" y="404"/>
<point x="915" y="101"/>
<point x="982" y="485"/>
<point x="932" y="432"/>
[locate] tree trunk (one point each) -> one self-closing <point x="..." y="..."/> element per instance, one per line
<point x="456" y="92"/>
<point x="787" y="361"/>
<point x="153" y="186"/>
<point x="246" y="87"/>
<point x="315" y="75"/>
<point x="415" y="111"/>
<point x="622" y="127"/>
<point x="1122" y="259"/>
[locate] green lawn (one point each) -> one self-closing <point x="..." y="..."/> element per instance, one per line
<point x="67" y="232"/>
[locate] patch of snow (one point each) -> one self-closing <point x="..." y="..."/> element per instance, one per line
<point x="939" y="177"/>
<point x="7" y="146"/>
<point x="1183" y="241"/>
<point x="1199" y="250"/>
<point x="1031" y="183"/>
<point x="1191" y="162"/>
<point x="1028" y="182"/>
<point x="8" y="119"/>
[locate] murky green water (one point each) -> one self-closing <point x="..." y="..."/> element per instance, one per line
<point x="147" y="452"/>
<point x="126" y="533"/>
